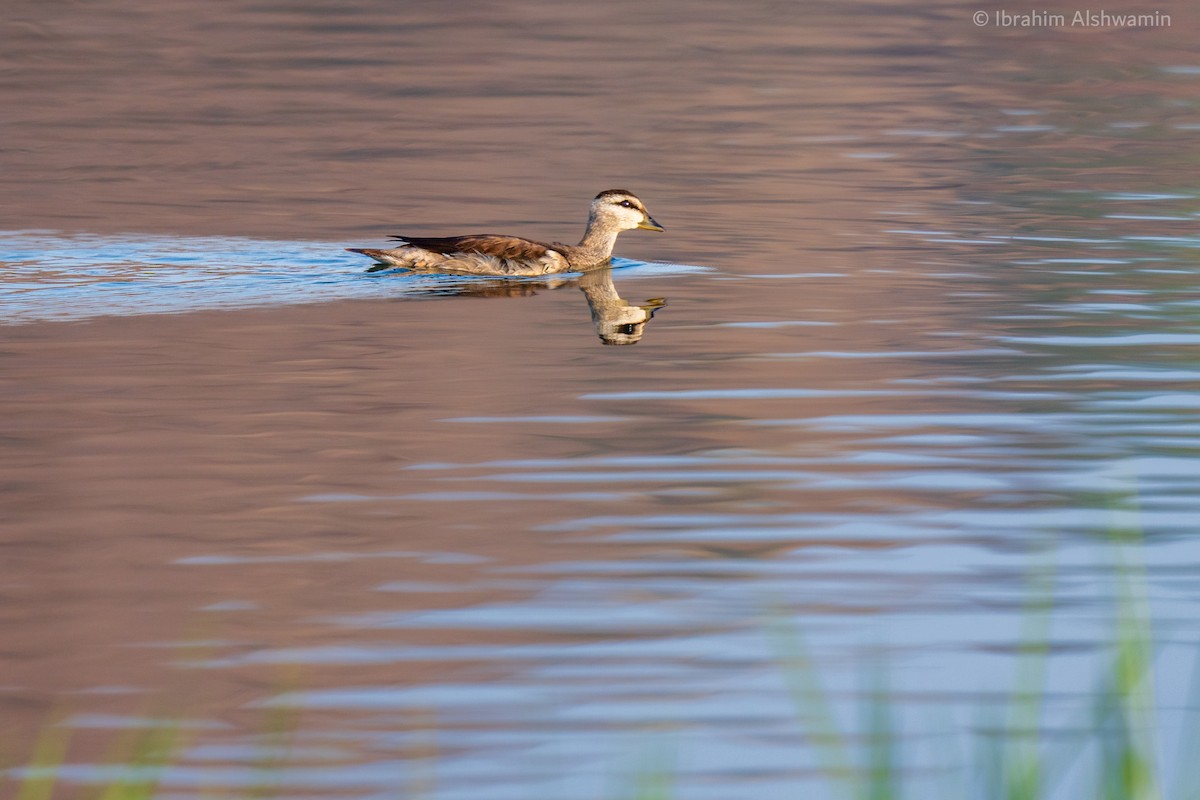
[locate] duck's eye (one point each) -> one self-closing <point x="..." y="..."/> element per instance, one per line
<point x="626" y="204"/>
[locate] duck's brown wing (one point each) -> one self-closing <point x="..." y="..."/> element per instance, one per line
<point x="508" y="248"/>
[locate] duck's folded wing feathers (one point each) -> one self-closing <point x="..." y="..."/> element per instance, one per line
<point x="488" y="244"/>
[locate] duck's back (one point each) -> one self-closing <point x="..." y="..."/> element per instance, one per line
<point x="473" y="254"/>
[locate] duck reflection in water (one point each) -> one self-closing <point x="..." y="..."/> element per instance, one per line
<point x="617" y="321"/>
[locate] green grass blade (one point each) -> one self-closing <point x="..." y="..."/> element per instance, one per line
<point x="282" y="721"/>
<point x="1132" y="669"/>
<point x="655" y="776"/>
<point x="811" y="702"/>
<point x="883" y="746"/>
<point x="653" y="773"/>
<point x="1021" y="760"/>
<point x="156" y="748"/>
<point x="49" y="752"/>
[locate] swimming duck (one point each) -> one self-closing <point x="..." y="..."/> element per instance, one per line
<point x="611" y="212"/>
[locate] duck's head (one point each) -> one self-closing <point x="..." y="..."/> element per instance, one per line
<point x="623" y="211"/>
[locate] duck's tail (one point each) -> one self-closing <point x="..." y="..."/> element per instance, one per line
<point x="381" y="256"/>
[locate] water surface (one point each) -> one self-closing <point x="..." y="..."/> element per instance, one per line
<point x="942" y="322"/>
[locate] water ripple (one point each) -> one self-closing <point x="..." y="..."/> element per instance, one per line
<point x="55" y="276"/>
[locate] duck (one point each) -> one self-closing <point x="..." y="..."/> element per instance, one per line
<point x="611" y="212"/>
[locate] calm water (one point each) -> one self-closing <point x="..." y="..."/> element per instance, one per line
<point x="931" y="311"/>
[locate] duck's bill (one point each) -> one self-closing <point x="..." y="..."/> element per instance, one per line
<point x="648" y="224"/>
